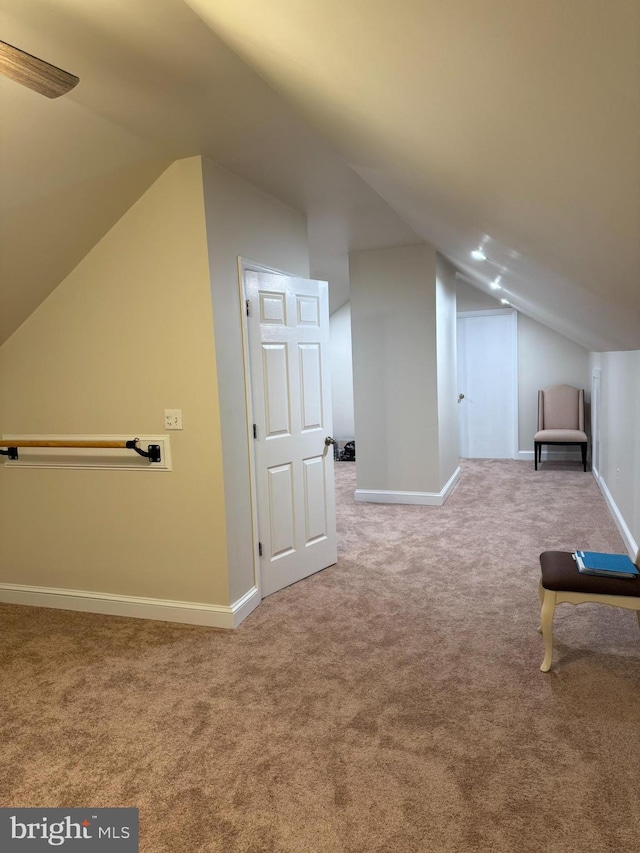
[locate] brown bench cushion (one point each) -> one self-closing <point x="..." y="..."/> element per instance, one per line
<point x="560" y="572"/>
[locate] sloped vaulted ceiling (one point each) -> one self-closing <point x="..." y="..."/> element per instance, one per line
<point x="511" y="125"/>
<point x="156" y="84"/>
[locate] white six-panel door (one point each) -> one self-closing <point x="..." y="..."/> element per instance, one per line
<point x="288" y="334"/>
<point x="487" y="384"/>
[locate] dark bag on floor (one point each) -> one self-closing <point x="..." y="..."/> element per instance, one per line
<point x="348" y="452"/>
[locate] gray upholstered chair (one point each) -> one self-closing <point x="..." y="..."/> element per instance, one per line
<point x="560" y="420"/>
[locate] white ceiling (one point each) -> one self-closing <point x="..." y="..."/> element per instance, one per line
<point x="512" y="125"/>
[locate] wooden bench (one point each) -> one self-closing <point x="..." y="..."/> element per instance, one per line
<point x="562" y="582"/>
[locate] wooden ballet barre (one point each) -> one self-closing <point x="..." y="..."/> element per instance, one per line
<point x="153" y="454"/>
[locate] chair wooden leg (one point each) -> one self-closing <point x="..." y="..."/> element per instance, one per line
<point x="546" y="624"/>
<point x="535" y="454"/>
<point x="541" y="597"/>
<point x="583" y="448"/>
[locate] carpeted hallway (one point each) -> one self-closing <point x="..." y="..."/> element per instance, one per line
<point x="390" y="703"/>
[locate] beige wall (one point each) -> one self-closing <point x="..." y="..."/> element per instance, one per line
<point x="125" y="335"/>
<point x="470" y="298"/>
<point x="404" y="345"/>
<point x="545" y="358"/>
<point x="342" y="374"/>
<point x="619" y="467"/>
<point x="447" y="368"/>
<point x="242" y="222"/>
<point x="393" y="323"/>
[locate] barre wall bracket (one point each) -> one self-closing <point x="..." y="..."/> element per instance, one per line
<point x="153" y="454"/>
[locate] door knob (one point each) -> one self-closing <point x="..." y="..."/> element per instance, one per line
<point x="460" y="397"/>
<point x="329" y="441"/>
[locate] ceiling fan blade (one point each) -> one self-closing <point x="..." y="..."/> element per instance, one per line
<point x="35" y="73"/>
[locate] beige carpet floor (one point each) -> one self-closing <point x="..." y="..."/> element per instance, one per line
<point x="390" y="703"/>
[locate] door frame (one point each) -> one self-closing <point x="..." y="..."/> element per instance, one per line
<point x="513" y="328"/>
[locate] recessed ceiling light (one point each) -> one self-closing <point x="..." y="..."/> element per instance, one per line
<point x="495" y="284"/>
<point x="505" y="302"/>
<point x="478" y="255"/>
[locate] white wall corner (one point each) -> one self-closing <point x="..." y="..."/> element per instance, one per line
<point x="245" y="605"/>
<point x="186" y="612"/>
<point x="387" y="496"/>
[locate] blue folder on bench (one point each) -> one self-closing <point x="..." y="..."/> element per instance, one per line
<point x="605" y="565"/>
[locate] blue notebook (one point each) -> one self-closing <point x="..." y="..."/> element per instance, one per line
<point x="611" y="565"/>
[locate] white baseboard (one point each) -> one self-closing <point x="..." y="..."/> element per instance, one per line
<point x="384" y="496"/>
<point x="630" y="543"/>
<point x="245" y="605"/>
<point x="187" y="612"/>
